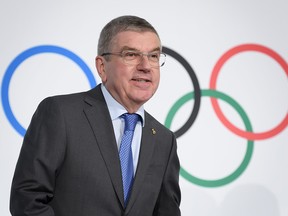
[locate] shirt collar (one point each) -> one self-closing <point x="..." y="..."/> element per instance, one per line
<point x="116" y="109"/>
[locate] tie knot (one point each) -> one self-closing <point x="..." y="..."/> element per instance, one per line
<point x="130" y="121"/>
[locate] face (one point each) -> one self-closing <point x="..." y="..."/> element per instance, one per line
<point x="130" y="85"/>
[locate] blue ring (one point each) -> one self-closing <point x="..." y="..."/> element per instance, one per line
<point x="22" y="57"/>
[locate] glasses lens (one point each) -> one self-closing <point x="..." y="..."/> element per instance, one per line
<point x="162" y="59"/>
<point x="133" y="58"/>
<point x="156" y="59"/>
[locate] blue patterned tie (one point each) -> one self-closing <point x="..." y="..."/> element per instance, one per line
<point x="125" y="153"/>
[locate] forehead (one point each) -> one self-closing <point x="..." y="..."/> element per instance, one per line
<point x="142" y="41"/>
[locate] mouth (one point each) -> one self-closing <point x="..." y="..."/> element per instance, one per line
<point x="142" y="80"/>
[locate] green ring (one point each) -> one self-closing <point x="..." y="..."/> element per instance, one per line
<point x="250" y="144"/>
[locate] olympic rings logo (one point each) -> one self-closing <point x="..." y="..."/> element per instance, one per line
<point x="195" y="95"/>
<point x="214" y="94"/>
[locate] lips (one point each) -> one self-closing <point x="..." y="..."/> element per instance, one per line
<point x="141" y="80"/>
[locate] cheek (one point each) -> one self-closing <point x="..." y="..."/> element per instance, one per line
<point x="110" y="73"/>
<point x="157" y="80"/>
<point x="115" y="79"/>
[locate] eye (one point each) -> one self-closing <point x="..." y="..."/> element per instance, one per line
<point x="130" y="54"/>
<point x="154" y="56"/>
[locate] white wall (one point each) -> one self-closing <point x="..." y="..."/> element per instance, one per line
<point x="201" y="32"/>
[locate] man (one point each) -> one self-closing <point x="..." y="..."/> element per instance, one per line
<point x="70" y="162"/>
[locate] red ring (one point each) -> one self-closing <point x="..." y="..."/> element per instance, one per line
<point x="241" y="48"/>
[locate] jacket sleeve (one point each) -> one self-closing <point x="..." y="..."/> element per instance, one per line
<point x="39" y="161"/>
<point x="168" y="202"/>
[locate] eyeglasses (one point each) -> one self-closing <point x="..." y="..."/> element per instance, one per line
<point x="130" y="57"/>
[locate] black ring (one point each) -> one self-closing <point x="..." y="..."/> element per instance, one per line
<point x="197" y="91"/>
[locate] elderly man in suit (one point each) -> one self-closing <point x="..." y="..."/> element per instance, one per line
<point x="80" y="157"/>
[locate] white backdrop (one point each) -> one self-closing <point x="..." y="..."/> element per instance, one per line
<point x="222" y="174"/>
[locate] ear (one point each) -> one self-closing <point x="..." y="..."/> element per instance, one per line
<point x="100" y="66"/>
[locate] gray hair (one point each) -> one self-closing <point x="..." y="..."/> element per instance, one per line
<point x="121" y="24"/>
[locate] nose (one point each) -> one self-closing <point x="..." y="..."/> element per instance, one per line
<point x="144" y="64"/>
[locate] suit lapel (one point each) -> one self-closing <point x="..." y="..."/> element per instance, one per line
<point x="101" y="124"/>
<point x="99" y="118"/>
<point x="146" y="152"/>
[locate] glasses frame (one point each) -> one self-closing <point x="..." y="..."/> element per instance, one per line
<point x="141" y="55"/>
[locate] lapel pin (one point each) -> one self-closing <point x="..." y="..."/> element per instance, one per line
<point x="153" y="131"/>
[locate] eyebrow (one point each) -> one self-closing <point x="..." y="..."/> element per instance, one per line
<point x="134" y="49"/>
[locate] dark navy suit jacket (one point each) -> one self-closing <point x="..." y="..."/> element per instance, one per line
<point x="69" y="164"/>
